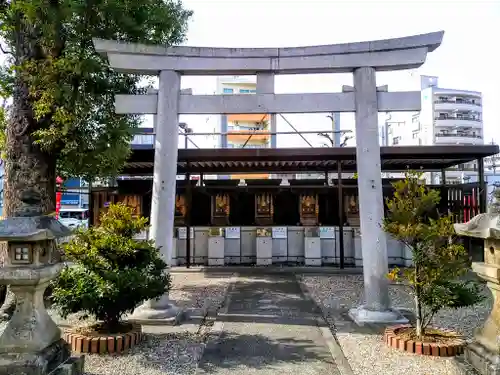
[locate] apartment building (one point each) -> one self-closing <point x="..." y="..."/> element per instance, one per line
<point x="447" y="117"/>
<point x="235" y="127"/>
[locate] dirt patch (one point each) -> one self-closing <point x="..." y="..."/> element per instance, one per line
<point x="99" y="329"/>
<point x="434" y="335"/>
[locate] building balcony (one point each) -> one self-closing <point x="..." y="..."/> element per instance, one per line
<point x="492" y="163"/>
<point x="143" y="139"/>
<point x="451" y="105"/>
<point x="248" y="117"/>
<point x="454" y="138"/>
<point x="253" y="176"/>
<point x="240" y="136"/>
<point x="469" y="122"/>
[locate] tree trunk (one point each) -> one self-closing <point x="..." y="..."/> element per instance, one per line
<point x="418" y="305"/>
<point x="26" y="166"/>
<point x="418" y="309"/>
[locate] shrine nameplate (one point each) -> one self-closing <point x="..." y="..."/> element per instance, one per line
<point x="327" y="232"/>
<point x="280" y="232"/>
<point x="264" y="232"/>
<point x="233" y="232"/>
<point x="182" y="233"/>
<point x="215" y="232"/>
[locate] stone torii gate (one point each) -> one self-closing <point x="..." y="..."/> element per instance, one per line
<point x="362" y="59"/>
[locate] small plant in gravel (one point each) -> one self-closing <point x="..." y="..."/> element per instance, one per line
<point x="113" y="272"/>
<point x="439" y="262"/>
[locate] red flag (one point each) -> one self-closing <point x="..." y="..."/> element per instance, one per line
<point x="58" y="203"/>
<point x="59" y="182"/>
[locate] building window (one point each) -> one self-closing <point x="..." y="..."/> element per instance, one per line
<point x="226" y="90"/>
<point x="253" y="91"/>
<point x="414" y="135"/>
<point x="415" y="120"/>
<point x="395" y="140"/>
<point x="244" y="91"/>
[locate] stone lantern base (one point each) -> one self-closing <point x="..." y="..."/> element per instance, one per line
<point x="481" y="359"/>
<point x="483" y="354"/>
<point x="31" y="343"/>
<point x="54" y="360"/>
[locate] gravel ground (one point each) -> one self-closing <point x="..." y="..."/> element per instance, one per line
<point x="366" y="352"/>
<point x="199" y="290"/>
<point x="167" y="350"/>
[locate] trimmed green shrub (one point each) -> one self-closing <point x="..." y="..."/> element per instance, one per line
<point x="112" y="272"/>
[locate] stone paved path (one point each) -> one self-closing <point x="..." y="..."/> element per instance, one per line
<point x="269" y="329"/>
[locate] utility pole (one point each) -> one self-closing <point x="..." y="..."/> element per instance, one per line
<point x="334" y="137"/>
<point x="335" y="118"/>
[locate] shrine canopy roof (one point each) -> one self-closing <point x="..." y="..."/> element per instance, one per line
<point x="283" y="160"/>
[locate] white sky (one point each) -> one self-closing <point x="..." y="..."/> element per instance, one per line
<point x="467" y="59"/>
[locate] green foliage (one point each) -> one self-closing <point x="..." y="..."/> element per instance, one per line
<point x="440" y="263"/>
<point x="49" y="49"/>
<point x="113" y="273"/>
<point x="494" y="206"/>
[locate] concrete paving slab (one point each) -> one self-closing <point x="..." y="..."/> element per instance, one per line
<point x="269" y="327"/>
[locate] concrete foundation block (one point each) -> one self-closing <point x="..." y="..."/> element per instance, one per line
<point x="216" y="251"/>
<point x="312" y="246"/>
<point x="264" y="251"/>
<point x="173" y="261"/>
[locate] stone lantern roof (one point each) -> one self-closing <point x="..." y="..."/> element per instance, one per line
<point x="481" y="226"/>
<point x="29" y="224"/>
<point x="37" y="228"/>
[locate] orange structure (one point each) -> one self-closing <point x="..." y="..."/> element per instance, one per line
<point x="238" y="126"/>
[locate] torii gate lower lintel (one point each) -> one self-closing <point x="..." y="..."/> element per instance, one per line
<point x="363" y="59"/>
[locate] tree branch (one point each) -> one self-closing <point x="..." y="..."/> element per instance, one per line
<point x="59" y="34"/>
<point x="427" y="319"/>
<point x="344" y="142"/>
<point x="327" y="136"/>
<point x="4" y="51"/>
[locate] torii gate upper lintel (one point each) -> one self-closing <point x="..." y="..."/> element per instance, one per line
<point x="383" y="55"/>
<point x="362" y="59"/>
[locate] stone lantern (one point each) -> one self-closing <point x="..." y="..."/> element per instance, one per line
<point x="484" y="352"/>
<point x="31" y="343"/>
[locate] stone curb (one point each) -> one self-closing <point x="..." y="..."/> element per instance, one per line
<point x="449" y="349"/>
<point x="181" y="317"/>
<point x="273" y="269"/>
<point x="110" y="344"/>
<point x="331" y="342"/>
<point x="218" y="326"/>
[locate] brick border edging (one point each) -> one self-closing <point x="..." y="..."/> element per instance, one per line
<point x="105" y="344"/>
<point x="450" y="349"/>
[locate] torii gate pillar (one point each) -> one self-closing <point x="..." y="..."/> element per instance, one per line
<point x="377" y="307"/>
<point x="163" y="195"/>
